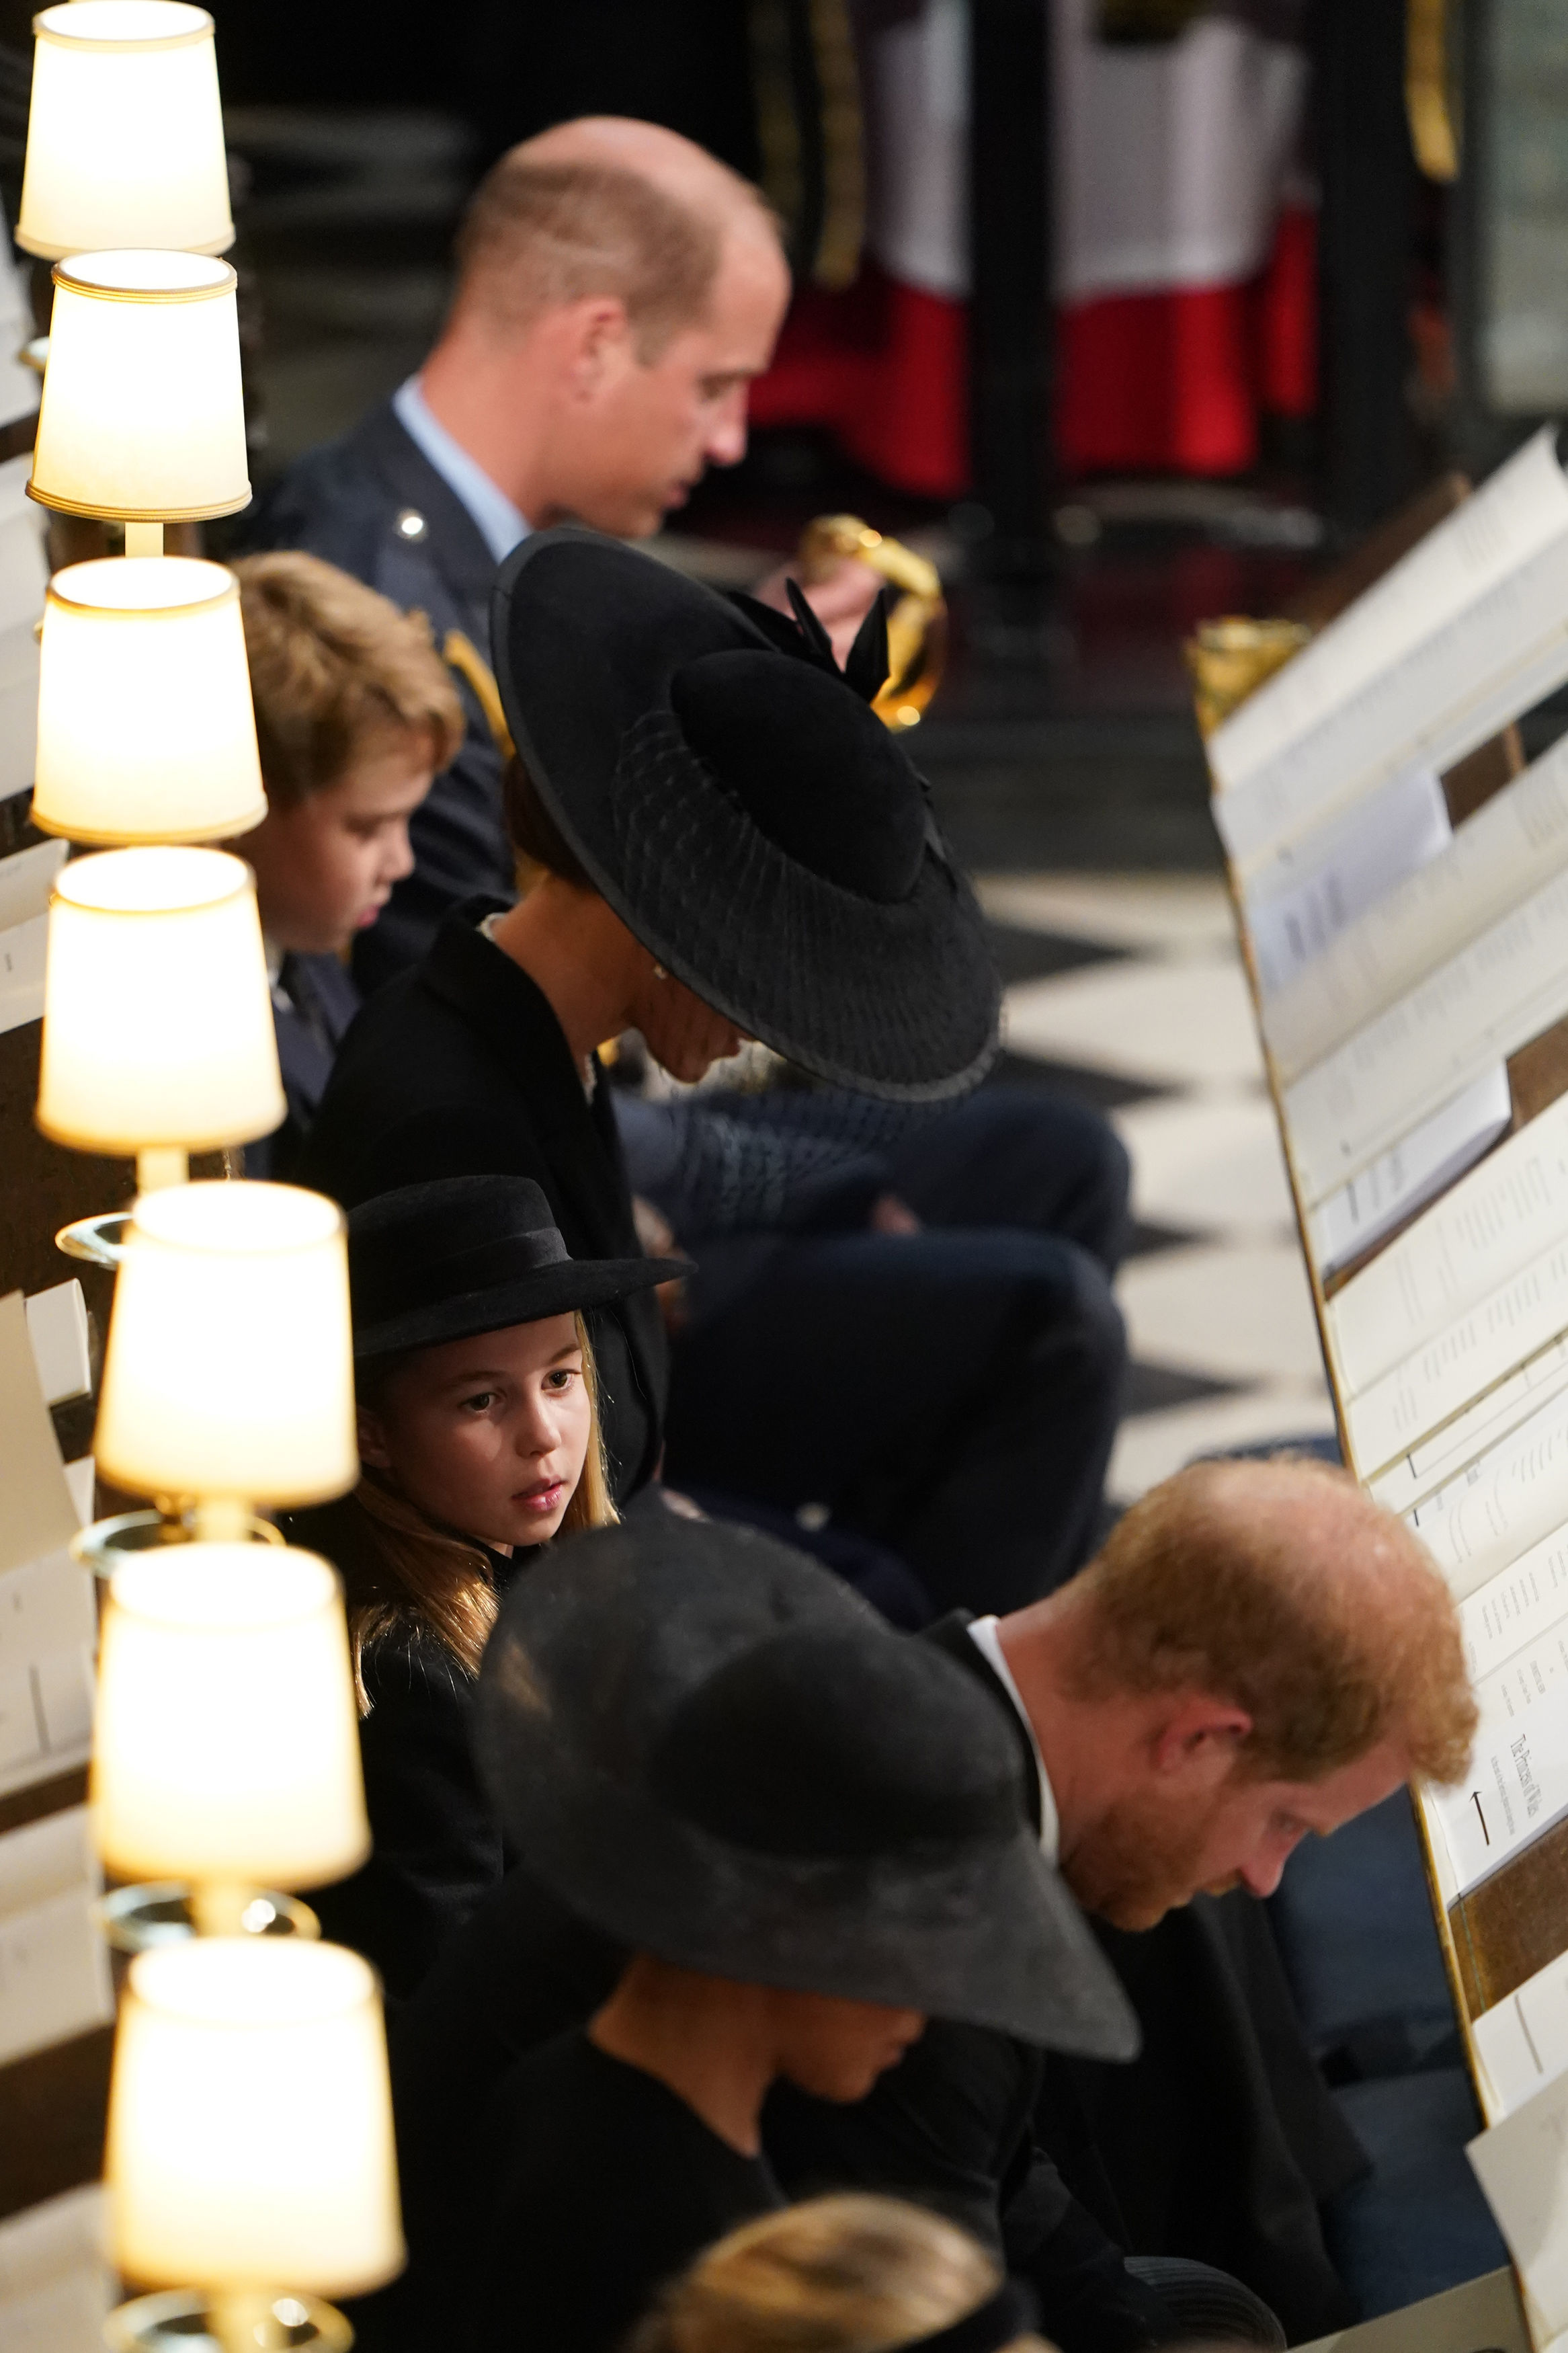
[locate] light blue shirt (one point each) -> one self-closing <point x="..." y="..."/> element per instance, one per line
<point x="498" y="520"/>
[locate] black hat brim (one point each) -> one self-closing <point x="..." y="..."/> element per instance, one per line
<point x="898" y="1000"/>
<point x="572" y="1286"/>
<point x="616" y="1631"/>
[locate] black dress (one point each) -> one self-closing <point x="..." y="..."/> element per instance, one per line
<point x="438" y="1848"/>
<point x="460" y="1069"/>
<point x="607" y="2185"/>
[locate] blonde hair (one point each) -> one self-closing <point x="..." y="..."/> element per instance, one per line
<point x="428" y="1576"/>
<point x="539" y="234"/>
<point x="849" y="2273"/>
<point x="332" y="664"/>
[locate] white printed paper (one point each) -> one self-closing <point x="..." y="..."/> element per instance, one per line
<point x="1487" y="1229"/>
<point x="54" y="1967"/>
<point x="1521" y="507"/>
<point x="1378" y="843"/>
<point x="1506" y="1500"/>
<point x="55" y="2289"/>
<point x="37" y="1514"/>
<point x="1401" y="1181"/>
<point x="27" y="879"/>
<point x="1521" y="2164"/>
<point x="1517" y="1786"/>
<point x="1512" y="845"/>
<point x="1443" y="699"/>
<point x="1461" y="1363"/>
<point x="1452" y="1451"/>
<point x="1475" y="1010"/>
<point x="57" y="1330"/>
<point x="1523" y="2042"/>
<point x="48" y="1632"/>
<point x="23" y="958"/>
<point x="1516" y="1607"/>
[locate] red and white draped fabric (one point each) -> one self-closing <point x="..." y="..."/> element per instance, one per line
<point x="1185" y="261"/>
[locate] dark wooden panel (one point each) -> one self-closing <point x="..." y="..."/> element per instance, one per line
<point x="46" y="1186"/>
<point x="1326" y="597"/>
<point x="51" y="1797"/>
<point x="1538" y="1073"/>
<point x="54" y="2105"/>
<point x="1514" y="1923"/>
<point x="1482" y="773"/>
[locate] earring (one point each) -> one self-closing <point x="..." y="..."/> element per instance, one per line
<point x="660" y="973"/>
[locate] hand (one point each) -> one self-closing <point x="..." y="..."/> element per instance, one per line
<point x="891" y="1216"/>
<point x="654" y="1233"/>
<point x="841" y="602"/>
<point x="658" y="1241"/>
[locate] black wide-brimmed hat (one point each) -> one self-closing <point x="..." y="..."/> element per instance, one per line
<point x="708" y="1747"/>
<point x="746" y="815"/>
<point x="466" y="1254"/>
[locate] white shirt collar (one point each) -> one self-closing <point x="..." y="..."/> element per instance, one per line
<point x="982" y="1634"/>
<point x="499" y="521"/>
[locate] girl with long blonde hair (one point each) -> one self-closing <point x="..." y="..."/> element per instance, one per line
<point x="479" y="1442"/>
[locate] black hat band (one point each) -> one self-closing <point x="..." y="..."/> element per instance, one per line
<point x="483" y="1266"/>
<point x="1010" y="2314"/>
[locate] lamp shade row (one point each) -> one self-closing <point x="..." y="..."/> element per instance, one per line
<point x="157" y="1016"/>
<point x="229" y="1367"/>
<point x="146" y="731"/>
<point x="225" y="1742"/>
<point x="142" y="415"/>
<point x="251" y="2120"/>
<point x="124" y="131"/>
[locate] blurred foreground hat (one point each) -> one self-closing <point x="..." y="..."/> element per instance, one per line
<point x="460" y="1255"/>
<point x="745" y="815"/>
<point x="705" y="1744"/>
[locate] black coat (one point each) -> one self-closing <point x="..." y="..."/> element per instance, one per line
<point x="438" y="1849"/>
<point x="1042" y="2157"/>
<point x="459" y="1069"/>
<point x="1220" y="2141"/>
<point x="373" y="504"/>
<point x="951" y="2126"/>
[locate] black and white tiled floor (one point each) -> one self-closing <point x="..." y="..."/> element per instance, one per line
<point x="1127" y="989"/>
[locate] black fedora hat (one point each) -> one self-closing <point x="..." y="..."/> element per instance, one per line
<point x="708" y="1747"/>
<point x="460" y="1255"/>
<point x="746" y="816"/>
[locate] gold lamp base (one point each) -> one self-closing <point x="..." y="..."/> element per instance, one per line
<point x="168" y="1911"/>
<point x="183" y="2320"/>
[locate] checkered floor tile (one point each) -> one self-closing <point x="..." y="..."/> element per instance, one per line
<point x="1127" y="989"/>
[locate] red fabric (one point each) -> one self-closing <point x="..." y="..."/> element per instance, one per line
<point x="884" y="367"/>
<point x="1167" y="383"/>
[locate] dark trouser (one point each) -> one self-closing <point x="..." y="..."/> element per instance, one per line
<point x="952" y="1393"/>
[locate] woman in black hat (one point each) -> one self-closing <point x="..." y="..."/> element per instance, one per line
<point x="734" y="847"/>
<point x="701" y="1744"/>
<point x="479" y="1434"/>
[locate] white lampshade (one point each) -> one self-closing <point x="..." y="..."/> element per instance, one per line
<point x="157" y="1016"/>
<point x="145" y="726"/>
<point x="229" y="1367"/>
<point x="251" y="2120"/>
<point x="143" y="416"/>
<point x="124" y="131"/>
<point x="226" y="1741"/>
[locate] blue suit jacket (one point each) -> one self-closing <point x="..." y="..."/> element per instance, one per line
<point x="373" y="504"/>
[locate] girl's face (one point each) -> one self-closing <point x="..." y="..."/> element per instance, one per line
<point x="486" y="1436"/>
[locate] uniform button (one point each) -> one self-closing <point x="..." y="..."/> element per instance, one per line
<point x="411" y="525"/>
